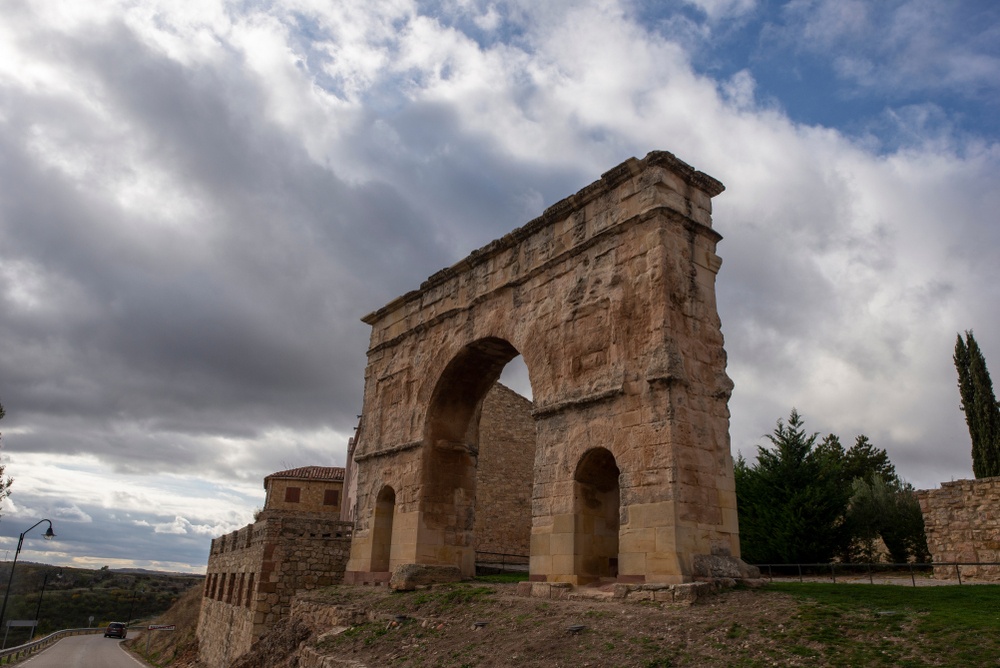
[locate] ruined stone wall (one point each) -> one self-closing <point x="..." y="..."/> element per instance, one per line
<point x="253" y="574"/>
<point x="962" y="521"/>
<point x="504" y="474"/>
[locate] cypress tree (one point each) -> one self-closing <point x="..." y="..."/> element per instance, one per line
<point x="982" y="415"/>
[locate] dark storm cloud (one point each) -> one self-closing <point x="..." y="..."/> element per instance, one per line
<point x="125" y="535"/>
<point x="253" y="300"/>
<point x="476" y="191"/>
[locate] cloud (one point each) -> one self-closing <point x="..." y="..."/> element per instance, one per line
<point x="728" y="9"/>
<point x="70" y="511"/>
<point x="903" y="46"/>
<point x="181" y="526"/>
<point x="199" y="201"/>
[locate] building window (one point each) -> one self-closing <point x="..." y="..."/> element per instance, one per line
<point x="292" y="494"/>
<point x="331" y="497"/>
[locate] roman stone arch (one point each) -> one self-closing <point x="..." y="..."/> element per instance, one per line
<point x="610" y="298"/>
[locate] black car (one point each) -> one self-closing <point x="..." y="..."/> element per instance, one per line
<point x="116" y="630"/>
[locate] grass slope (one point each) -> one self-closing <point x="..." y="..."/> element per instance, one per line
<point x="785" y="625"/>
<point x="882" y="625"/>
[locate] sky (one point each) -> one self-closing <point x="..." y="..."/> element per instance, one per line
<point x="199" y="200"/>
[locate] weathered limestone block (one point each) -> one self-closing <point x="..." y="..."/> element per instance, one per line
<point x="691" y="592"/>
<point x="550" y="590"/>
<point x="408" y="577"/>
<point x="719" y="566"/>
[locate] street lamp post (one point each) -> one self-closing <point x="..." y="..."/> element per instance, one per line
<point x="48" y="535"/>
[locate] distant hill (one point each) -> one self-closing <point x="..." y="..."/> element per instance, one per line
<point x="80" y="597"/>
<point x="146" y="571"/>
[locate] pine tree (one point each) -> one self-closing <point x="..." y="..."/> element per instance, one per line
<point x="792" y="500"/>
<point x="864" y="460"/>
<point x="982" y="415"/>
<point x="803" y="502"/>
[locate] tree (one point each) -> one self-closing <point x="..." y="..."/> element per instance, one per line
<point x="864" y="460"/>
<point x="864" y="519"/>
<point x="792" y="500"/>
<point x="890" y="511"/>
<point x="5" y="483"/>
<point x="982" y="415"/>
<point x="806" y="503"/>
<point x="861" y="460"/>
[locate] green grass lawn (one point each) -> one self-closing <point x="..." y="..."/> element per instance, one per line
<point x="886" y="625"/>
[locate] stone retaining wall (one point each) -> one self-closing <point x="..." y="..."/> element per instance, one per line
<point x="254" y="573"/>
<point x="962" y="521"/>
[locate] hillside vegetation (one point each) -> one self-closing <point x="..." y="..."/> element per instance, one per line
<point x="73" y="595"/>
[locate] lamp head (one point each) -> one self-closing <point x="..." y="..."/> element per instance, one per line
<point x="50" y="534"/>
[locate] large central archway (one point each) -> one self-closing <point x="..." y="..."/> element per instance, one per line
<point x="610" y="299"/>
<point x="451" y="449"/>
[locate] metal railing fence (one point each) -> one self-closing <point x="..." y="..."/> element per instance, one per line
<point x="871" y="569"/>
<point x="12" y="654"/>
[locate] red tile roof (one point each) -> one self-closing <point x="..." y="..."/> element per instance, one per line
<point x="327" y="473"/>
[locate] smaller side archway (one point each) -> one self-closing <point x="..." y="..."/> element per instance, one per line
<point x="385" y="509"/>
<point x="597" y="503"/>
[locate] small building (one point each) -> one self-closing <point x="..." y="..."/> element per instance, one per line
<point x="307" y="489"/>
<point x="297" y="543"/>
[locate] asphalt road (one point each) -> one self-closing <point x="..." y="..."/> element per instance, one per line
<point x="92" y="651"/>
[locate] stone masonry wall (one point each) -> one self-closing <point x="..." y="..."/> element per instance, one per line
<point x="253" y="574"/>
<point x="504" y="474"/>
<point x="312" y="496"/>
<point x="226" y="622"/>
<point x="962" y="521"/>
